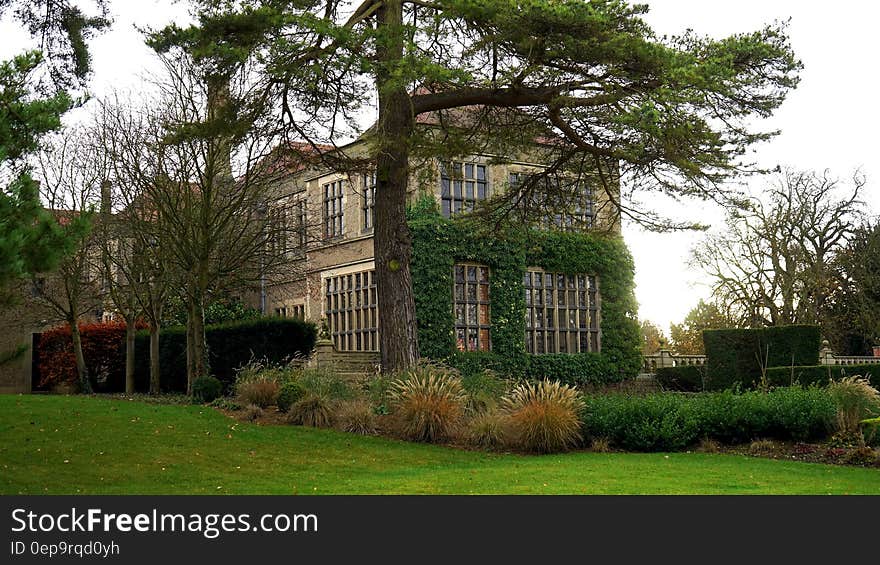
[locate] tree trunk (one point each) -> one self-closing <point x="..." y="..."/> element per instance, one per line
<point x="196" y="350"/>
<point x="129" y="354"/>
<point x="155" y="364"/>
<point x="398" y="339"/>
<point x="85" y="386"/>
<point x="190" y="346"/>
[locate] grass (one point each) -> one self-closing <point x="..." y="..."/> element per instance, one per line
<point x="56" y="445"/>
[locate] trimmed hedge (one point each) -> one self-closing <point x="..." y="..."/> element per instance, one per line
<point x="735" y="356"/>
<point x="439" y="243"/>
<point x="672" y="422"/>
<point x="821" y="374"/>
<point x="230" y="346"/>
<point x="689" y="378"/>
<point x="103" y="347"/>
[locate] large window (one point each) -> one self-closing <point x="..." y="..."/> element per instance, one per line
<point x="562" y="313"/>
<point x="299" y="210"/>
<point x="351" y="311"/>
<point x="333" y="209"/>
<point x="278" y="230"/>
<point x="566" y="204"/>
<point x="461" y="186"/>
<point x="471" y="304"/>
<point x="368" y="200"/>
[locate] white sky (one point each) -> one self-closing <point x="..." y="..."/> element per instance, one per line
<point x="829" y="122"/>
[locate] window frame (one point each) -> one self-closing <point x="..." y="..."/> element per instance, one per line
<point x="368" y="201"/>
<point x="550" y="328"/>
<point x="333" y="208"/>
<point x="582" y="217"/>
<point x="463" y="321"/>
<point x="454" y="186"/>
<point x="351" y="310"/>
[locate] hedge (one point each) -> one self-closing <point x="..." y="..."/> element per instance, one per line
<point x="735" y="356"/>
<point x="230" y="346"/>
<point x="821" y="374"/>
<point x="688" y="378"/>
<point x="439" y="243"/>
<point x="103" y="347"/>
<point x="673" y="422"/>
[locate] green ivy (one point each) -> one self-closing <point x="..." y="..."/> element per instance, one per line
<point x="439" y="243"/>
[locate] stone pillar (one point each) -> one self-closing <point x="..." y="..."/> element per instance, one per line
<point x="323" y="353"/>
<point x="666" y="359"/>
<point x="826" y="356"/>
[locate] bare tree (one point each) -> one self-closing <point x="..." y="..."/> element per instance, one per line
<point x="772" y="264"/>
<point x="70" y="186"/>
<point x="199" y="169"/>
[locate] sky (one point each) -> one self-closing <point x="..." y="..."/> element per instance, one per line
<point x="828" y="122"/>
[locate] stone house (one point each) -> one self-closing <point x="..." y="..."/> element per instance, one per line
<point x="336" y="286"/>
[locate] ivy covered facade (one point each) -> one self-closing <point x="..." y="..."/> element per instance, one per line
<point x="554" y="301"/>
<point x="561" y="304"/>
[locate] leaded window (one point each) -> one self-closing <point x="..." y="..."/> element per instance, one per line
<point x="368" y="200"/>
<point x="567" y="204"/>
<point x="333" y="218"/>
<point x="351" y="310"/>
<point x="562" y="312"/>
<point x="462" y="185"/>
<point x="471" y="305"/>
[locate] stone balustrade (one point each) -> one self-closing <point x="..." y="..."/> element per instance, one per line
<point x="666" y="358"/>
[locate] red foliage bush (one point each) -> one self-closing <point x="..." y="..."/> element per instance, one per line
<point x="103" y="349"/>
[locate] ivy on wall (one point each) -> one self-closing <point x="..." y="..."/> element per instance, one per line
<point x="439" y="243"/>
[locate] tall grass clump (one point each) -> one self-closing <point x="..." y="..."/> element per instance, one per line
<point x="312" y="410"/>
<point x="855" y="400"/>
<point x="542" y="417"/>
<point x="427" y="403"/>
<point x="486" y="429"/>
<point x="357" y="417"/>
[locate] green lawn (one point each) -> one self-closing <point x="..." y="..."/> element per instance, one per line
<point x="56" y="444"/>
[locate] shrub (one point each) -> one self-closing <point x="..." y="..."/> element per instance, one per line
<point x="206" y="389"/>
<point x="311" y="410"/>
<point x="641" y="423"/>
<point x="377" y="389"/>
<point x="486" y="429"/>
<point x="103" y="347"/>
<point x="689" y="378"/>
<point x="800" y="413"/>
<point x="736" y="356"/>
<point x="290" y="393"/>
<point x="261" y="392"/>
<point x="542" y="417"/>
<point x="484" y="390"/>
<point x="357" y="417"/>
<point x="427" y="403"/>
<point x="670" y="421"/>
<point x="856" y="400"/>
<point x="230" y="347"/>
